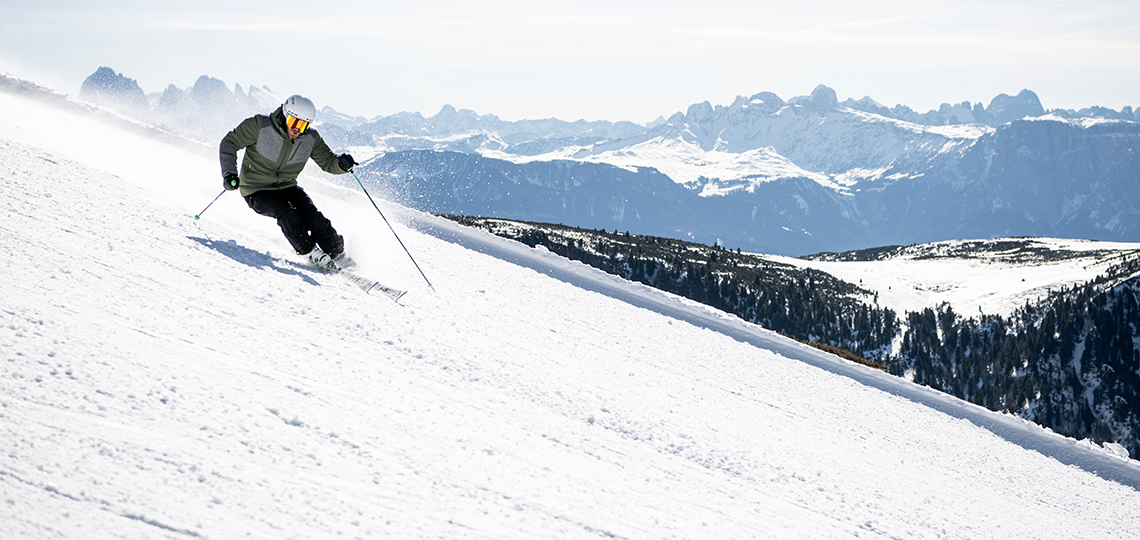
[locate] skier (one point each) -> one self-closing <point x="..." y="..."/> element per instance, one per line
<point x="277" y="147"/>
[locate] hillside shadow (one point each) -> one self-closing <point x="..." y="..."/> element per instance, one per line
<point x="254" y="259"/>
<point x="1011" y="428"/>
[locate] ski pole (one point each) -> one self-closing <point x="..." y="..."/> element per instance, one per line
<point x="199" y="214"/>
<point x="432" y="287"/>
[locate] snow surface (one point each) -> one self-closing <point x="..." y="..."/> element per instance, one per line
<point x="169" y="378"/>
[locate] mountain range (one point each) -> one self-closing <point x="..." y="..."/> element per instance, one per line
<point x="806" y="175"/>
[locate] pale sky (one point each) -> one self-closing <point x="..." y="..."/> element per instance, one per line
<point x="610" y="60"/>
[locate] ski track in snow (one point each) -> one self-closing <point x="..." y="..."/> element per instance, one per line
<point x="170" y="378"/>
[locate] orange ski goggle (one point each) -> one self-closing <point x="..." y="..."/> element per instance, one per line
<point x="294" y="122"/>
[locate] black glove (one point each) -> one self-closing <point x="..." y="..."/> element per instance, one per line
<point x="345" y="162"/>
<point x="231" y="181"/>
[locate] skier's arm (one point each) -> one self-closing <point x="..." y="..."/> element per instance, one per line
<point x="242" y="136"/>
<point x="325" y="157"/>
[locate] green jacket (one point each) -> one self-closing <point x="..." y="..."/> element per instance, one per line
<point x="273" y="160"/>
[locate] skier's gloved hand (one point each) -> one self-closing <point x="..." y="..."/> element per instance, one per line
<point x="345" y="162"/>
<point x="231" y="181"/>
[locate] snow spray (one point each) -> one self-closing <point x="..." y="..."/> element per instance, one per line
<point x="432" y="287"/>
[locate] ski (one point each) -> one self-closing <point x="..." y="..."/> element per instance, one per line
<point x="370" y="286"/>
<point x="367" y="285"/>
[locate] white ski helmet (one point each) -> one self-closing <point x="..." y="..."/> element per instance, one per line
<point x="299" y="107"/>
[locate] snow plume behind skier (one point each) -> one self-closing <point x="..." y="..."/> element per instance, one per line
<point x="277" y="148"/>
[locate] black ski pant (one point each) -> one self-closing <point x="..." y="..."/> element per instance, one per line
<point x="304" y="226"/>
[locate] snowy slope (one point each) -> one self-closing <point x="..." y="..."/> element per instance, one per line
<point x="990" y="283"/>
<point x="170" y="378"/>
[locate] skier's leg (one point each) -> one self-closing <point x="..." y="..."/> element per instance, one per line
<point x="276" y="204"/>
<point x="320" y="228"/>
